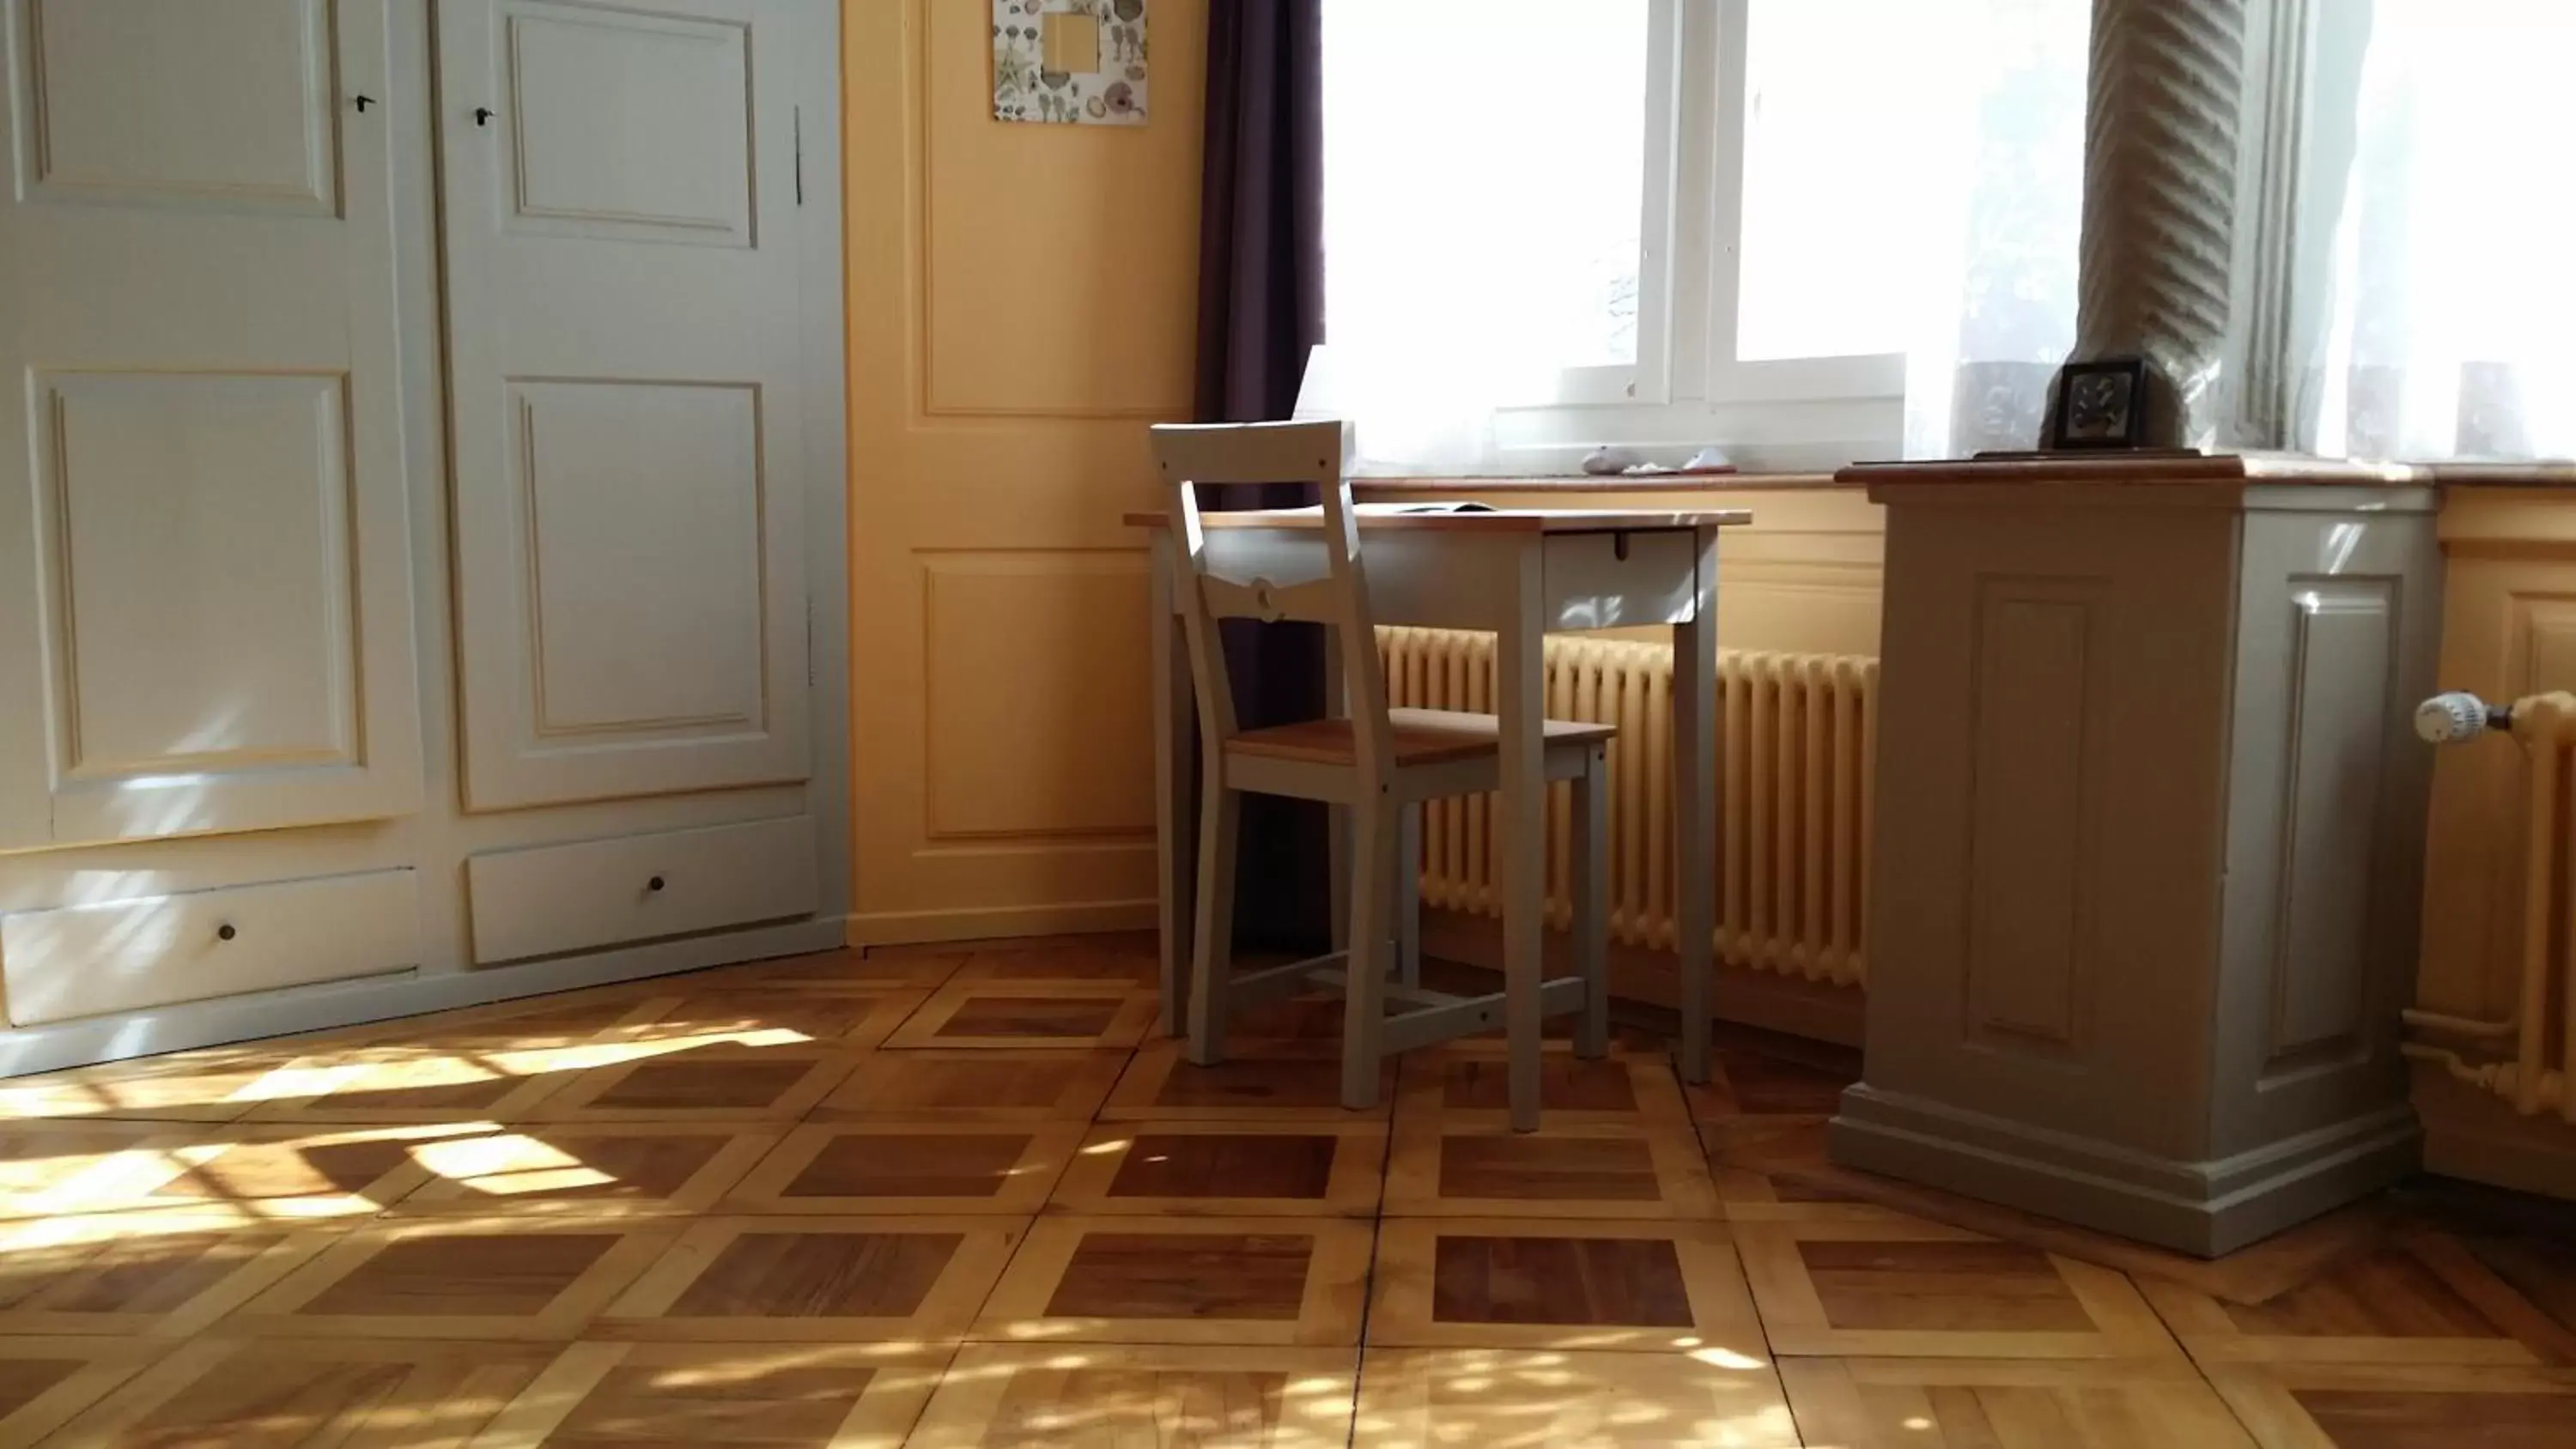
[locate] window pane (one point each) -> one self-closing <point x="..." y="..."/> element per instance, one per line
<point x="1888" y="140"/>
<point x="2444" y="322"/>
<point x="1483" y="168"/>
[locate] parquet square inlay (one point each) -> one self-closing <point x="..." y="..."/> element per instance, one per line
<point x="769" y="1016"/>
<point x="1590" y="1281"/>
<point x="599" y="1395"/>
<point x="974" y="1086"/>
<point x="535" y="1023"/>
<point x="358" y="1394"/>
<point x="1914" y="1403"/>
<point x="1468" y="1084"/>
<point x="1029" y="1015"/>
<point x="272" y="1171"/>
<point x="1749" y="1084"/>
<point x="1668" y="1287"/>
<point x="711" y="1083"/>
<point x="1766" y="1144"/>
<point x="2413" y="1298"/>
<point x="1259" y="1083"/>
<point x="1903" y="1288"/>
<point x="58" y="1166"/>
<point x="2400" y="1406"/>
<point x="1184" y="1169"/>
<point x="2537" y="1262"/>
<point x="820" y="1279"/>
<point x="395" y="1085"/>
<point x="1773" y="1169"/>
<point x="1209" y="1280"/>
<point x="1127" y="958"/>
<point x="212" y="1086"/>
<point x="1040" y="1397"/>
<point x="1311" y="1020"/>
<point x="517" y="1277"/>
<point x="587" y="1168"/>
<point x="45" y="1381"/>
<point x="987" y="1169"/>
<point x="1560" y="1171"/>
<point x="1519" y="1399"/>
<point x="162" y="1273"/>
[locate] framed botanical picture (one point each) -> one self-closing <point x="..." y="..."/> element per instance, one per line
<point x="2101" y="404"/>
<point x="1069" y="62"/>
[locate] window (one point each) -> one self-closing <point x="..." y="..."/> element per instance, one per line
<point x="1665" y="223"/>
<point x="2433" y="311"/>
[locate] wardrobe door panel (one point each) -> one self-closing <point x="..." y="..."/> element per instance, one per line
<point x="199" y="526"/>
<point x="146" y="99"/>
<point x="200" y="436"/>
<point x="630" y="467"/>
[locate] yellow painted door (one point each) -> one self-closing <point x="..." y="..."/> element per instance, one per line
<point x="1022" y="300"/>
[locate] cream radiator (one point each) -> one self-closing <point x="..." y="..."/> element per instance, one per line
<point x="1794" y="747"/>
<point x="2542" y="1030"/>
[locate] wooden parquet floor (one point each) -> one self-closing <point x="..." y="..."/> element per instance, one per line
<point x="965" y="1198"/>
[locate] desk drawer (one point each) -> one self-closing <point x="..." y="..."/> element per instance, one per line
<point x="113" y="956"/>
<point x="560" y="898"/>
<point x="1620" y="580"/>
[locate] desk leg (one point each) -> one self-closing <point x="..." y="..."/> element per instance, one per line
<point x="1337" y="818"/>
<point x="1520" y="699"/>
<point x="1175" y="729"/>
<point x="1695" y="810"/>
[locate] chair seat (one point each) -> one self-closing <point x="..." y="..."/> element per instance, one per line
<point x="1422" y="737"/>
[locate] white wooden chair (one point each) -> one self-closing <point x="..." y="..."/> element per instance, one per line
<point x="1378" y="763"/>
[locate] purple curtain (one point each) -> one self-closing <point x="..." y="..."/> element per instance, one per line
<point x="1261" y="310"/>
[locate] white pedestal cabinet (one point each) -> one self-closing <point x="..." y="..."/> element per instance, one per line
<point x="421" y="506"/>
<point x="2149" y="840"/>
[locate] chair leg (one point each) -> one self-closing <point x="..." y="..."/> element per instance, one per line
<point x="1374" y="832"/>
<point x="1337" y="869"/>
<point x="1408" y="897"/>
<point x="1212" y="953"/>
<point x="1591" y="882"/>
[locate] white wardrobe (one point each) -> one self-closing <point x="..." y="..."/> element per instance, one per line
<point x="421" y="506"/>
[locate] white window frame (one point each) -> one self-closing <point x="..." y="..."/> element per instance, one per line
<point x="1688" y="386"/>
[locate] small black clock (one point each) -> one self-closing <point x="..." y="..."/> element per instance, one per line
<point x="2101" y="404"/>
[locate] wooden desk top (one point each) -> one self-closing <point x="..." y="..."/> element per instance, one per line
<point x="1376" y="517"/>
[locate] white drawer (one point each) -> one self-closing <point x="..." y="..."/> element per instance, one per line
<point x="559" y="898"/>
<point x="91" y="960"/>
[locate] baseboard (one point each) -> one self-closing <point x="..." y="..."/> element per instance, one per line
<point x="2206" y="1208"/>
<point x="904" y="928"/>
<point x="2472" y="1133"/>
<point x="302" y="1009"/>
<point x="1814" y="1010"/>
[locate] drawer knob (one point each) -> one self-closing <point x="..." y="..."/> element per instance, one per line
<point x="225" y="932"/>
<point x="654" y="884"/>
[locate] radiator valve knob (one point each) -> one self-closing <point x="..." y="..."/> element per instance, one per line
<point x="2450" y="719"/>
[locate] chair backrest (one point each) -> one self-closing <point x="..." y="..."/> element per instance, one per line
<point x="1272" y="574"/>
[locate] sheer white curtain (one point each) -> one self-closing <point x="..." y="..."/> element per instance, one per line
<point x="2441" y="320"/>
<point x="1484" y="164"/>
<point x="1991" y="254"/>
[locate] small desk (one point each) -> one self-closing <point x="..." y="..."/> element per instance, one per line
<point x="1519" y="574"/>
